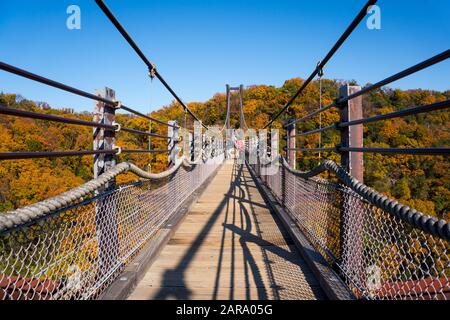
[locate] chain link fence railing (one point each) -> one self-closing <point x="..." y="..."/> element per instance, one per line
<point x="378" y="254"/>
<point x="77" y="251"/>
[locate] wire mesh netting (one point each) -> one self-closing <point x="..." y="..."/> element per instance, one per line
<point x="378" y="255"/>
<point x="77" y="252"/>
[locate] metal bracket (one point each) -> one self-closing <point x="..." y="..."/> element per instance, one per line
<point x="117" y="125"/>
<point x="338" y="103"/>
<point x="319" y="69"/>
<point x="118" y="104"/>
<point x="152" y="71"/>
<point x="119" y="150"/>
<point x="337" y="127"/>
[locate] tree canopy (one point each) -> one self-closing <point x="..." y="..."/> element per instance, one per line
<point x="419" y="181"/>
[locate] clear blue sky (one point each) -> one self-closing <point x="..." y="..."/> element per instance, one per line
<point x="199" y="46"/>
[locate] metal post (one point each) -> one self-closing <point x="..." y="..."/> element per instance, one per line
<point x="352" y="221"/>
<point x="198" y="139"/>
<point x="241" y="106"/>
<point x="213" y="147"/>
<point x="204" y="143"/>
<point x="172" y="142"/>
<point x="191" y="146"/>
<point x="186" y="143"/>
<point x="352" y="136"/>
<point x="104" y="139"/>
<point x="105" y="211"/>
<point x="207" y="145"/>
<point x="290" y="144"/>
<point x="228" y="143"/>
<point x="150" y="147"/>
<point x="252" y="147"/>
<point x="228" y="106"/>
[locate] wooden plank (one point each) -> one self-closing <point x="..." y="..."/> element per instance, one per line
<point x="229" y="246"/>
<point x="333" y="286"/>
<point x="125" y="284"/>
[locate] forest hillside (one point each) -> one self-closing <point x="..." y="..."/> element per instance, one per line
<point x="420" y="181"/>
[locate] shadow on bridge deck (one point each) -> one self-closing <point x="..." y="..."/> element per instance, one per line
<point x="229" y="246"/>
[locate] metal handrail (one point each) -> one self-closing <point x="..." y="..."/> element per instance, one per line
<point x="53" y="118"/>
<point x="398" y="114"/>
<point x="418" y="67"/>
<point x="25" y="215"/>
<point x="315" y="131"/>
<point x="329" y="149"/>
<point x="419" y="220"/>
<point x="51" y="154"/>
<point x="61" y="154"/>
<point x="52" y="83"/>
<point x="145" y="151"/>
<point x="414" y="151"/>
<point x="333" y="50"/>
<point x="152" y="68"/>
<point x="155" y="135"/>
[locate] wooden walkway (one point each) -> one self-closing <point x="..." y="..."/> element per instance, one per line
<point x="229" y="246"/>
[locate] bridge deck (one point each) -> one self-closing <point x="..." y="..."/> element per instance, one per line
<point x="229" y="246"/>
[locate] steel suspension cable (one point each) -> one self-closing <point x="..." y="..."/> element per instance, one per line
<point x="400" y="113"/>
<point x="330" y="54"/>
<point x="73" y="153"/>
<point x="320" y="74"/>
<point x="152" y="68"/>
<point x="26" y="74"/>
<point x="55" y="84"/>
<point x="54" y="118"/>
<point x="416" y="68"/>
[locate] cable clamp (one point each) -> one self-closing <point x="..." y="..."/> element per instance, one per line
<point x="319" y="69"/>
<point x="118" y="104"/>
<point x="338" y="102"/>
<point x="152" y="71"/>
<point x="117" y="125"/>
<point x="337" y="126"/>
<point x="118" y="150"/>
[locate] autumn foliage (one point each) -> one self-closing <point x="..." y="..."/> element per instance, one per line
<point x="419" y="181"/>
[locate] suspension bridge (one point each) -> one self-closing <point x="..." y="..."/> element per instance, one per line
<point x="231" y="218"/>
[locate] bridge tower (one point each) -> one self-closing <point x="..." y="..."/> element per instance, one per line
<point x="240" y="91"/>
<point x="242" y="124"/>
